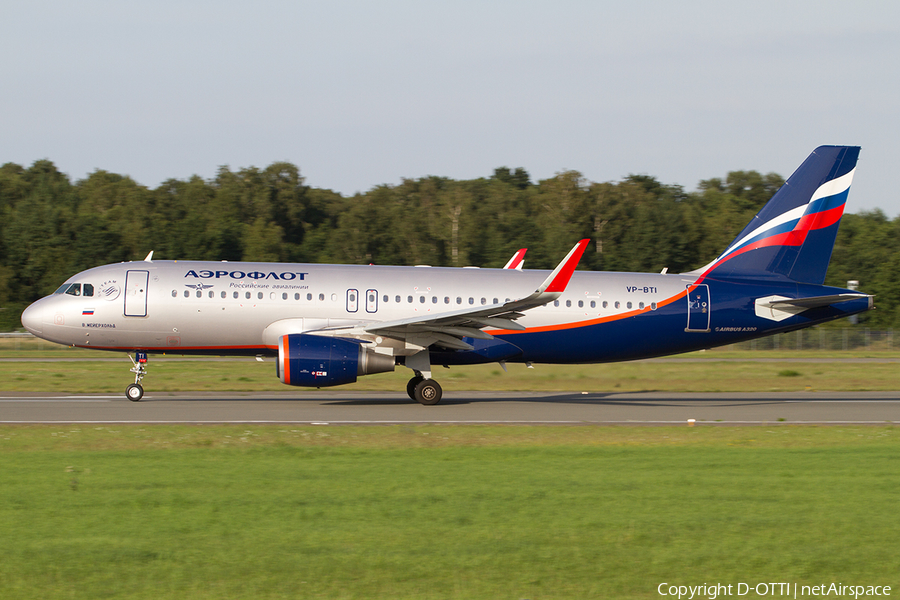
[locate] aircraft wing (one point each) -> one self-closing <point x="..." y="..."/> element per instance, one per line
<point x="447" y="329"/>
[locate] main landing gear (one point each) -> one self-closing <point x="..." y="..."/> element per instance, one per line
<point x="424" y="391"/>
<point x="135" y="392"/>
<point x="422" y="388"/>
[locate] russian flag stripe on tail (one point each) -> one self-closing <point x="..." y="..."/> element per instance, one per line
<point x="793" y="235"/>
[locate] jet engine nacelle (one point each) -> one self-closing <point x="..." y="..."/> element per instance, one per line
<point x="317" y="361"/>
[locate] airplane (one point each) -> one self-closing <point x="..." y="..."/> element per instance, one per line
<point x="327" y="325"/>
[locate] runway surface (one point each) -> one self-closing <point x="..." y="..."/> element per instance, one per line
<point x="361" y="408"/>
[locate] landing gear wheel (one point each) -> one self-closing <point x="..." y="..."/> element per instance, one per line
<point x="411" y="386"/>
<point x="428" y="392"/>
<point x="134" y="392"/>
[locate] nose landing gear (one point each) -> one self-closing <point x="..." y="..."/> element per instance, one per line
<point x="135" y="392"/>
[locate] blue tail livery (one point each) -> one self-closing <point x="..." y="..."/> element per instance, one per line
<point x="793" y="235"/>
<point x="327" y="325"/>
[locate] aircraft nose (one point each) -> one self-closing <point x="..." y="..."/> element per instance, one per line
<point x="32" y="319"/>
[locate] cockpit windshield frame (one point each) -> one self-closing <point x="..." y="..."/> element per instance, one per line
<point x="76" y="289"/>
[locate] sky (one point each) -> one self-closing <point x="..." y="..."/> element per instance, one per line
<point x="360" y="93"/>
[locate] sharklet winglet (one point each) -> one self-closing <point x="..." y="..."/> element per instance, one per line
<point x="559" y="278"/>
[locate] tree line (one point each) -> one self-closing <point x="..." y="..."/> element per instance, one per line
<point x="52" y="228"/>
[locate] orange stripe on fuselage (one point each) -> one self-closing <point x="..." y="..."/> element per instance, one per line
<point x="588" y="322"/>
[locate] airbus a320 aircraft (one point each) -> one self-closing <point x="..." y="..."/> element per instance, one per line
<point x="330" y="324"/>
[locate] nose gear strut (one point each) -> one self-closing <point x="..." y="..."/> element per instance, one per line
<point x="135" y="392"/>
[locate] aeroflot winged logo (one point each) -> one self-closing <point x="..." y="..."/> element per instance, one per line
<point x="256" y="275"/>
<point x="197" y="286"/>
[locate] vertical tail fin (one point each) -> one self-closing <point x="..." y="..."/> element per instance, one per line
<point x="793" y="235"/>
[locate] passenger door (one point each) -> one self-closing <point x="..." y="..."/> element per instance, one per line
<point x="136" y="293"/>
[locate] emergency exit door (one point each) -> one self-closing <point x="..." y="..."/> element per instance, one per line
<point x="136" y="293"/>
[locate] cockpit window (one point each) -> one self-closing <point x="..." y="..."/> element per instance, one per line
<point x="76" y="289"/>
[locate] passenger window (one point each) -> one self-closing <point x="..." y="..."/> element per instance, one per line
<point x="224" y="294"/>
<point x="247" y="295"/>
<point x="556" y="303"/>
<point x="421" y="299"/>
<point x="458" y="300"/>
<point x="568" y="304"/>
<point x="409" y="299"/>
<point x="496" y="301"/>
<point x="628" y="305"/>
<point x="321" y="297"/>
<point x="284" y="296"/>
<point x="618" y="304"/>
<point x="212" y="294"/>
<point x="397" y="299"/>
<point x="593" y="304"/>
<point x="471" y="300"/>
<point x="483" y="301"/>
<point x="174" y="293"/>
<point x="605" y="304"/>
<point x="640" y="305"/>
<point x="309" y="296"/>
<point x="296" y="296"/>
<point x="434" y="299"/>
<point x="199" y="293"/>
<point x="236" y="295"/>
<point x="187" y="293"/>
<point x="653" y="306"/>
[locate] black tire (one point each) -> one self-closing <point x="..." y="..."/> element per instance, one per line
<point x="134" y="392"/>
<point x="411" y="386"/>
<point x="428" y="392"/>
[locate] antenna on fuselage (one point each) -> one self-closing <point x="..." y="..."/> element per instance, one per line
<point x="149" y="257"/>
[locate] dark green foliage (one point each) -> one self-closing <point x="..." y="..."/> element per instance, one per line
<point x="51" y="228"/>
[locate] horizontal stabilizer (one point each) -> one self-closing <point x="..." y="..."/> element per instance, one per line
<point x="815" y="301"/>
<point x="779" y="308"/>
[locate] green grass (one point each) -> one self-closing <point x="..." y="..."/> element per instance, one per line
<point x="440" y="512"/>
